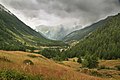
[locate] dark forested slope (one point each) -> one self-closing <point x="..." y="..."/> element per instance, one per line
<point x="104" y="41"/>
<point x="80" y="34"/>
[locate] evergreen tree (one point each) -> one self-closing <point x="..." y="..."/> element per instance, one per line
<point x="79" y="60"/>
<point x="90" y="61"/>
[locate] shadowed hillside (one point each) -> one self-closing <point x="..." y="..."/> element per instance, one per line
<point x="15" y="35"/>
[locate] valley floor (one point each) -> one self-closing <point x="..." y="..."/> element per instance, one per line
<point x="35" y="64"/>
<point x="107" y="68"/>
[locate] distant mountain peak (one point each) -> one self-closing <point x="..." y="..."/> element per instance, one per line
<point x="3" y="8"/>
<point x="57" y="32"/>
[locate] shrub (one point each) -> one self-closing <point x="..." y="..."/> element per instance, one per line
<point x="74" y="60"/>
<point x="79" y="60"/>
<point x="52" y="53"/>
<point x="57" y="58"/>
<point x="66" y="59"/>
<point x="28" y="62"/>
<point x="15" y="75"/>
<point x="104" y="67"/>
<point x="90" y="61"/>
<point x="32" y="56"/>
<point x="95" y="73"/>
<point x="4" y="59"/>
<point x="118" y="67"/>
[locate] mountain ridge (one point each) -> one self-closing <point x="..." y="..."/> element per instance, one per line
<point x="80" y="34"/>
<point x="14" y="34"/>
<point x="104" y="41"/>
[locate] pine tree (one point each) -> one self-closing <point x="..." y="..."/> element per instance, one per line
<point x="90" y="61"/>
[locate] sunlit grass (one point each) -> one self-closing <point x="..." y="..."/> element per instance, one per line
<point x="42" y="66"/>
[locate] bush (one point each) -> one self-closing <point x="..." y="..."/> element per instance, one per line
<point x="15" y="75"/>
<point x="52" y="53"/>
<point x="79" y="60"/>
<point x="90" y="61"/>
<point x="103" y="67"/>
<point x="32" y="56"/>
<point x="118" y="67"/>
<point x="95" y="73"/>
<point x="4" y="59"/>
<point x="74" y="60"/>
<point x="28" y="62"/>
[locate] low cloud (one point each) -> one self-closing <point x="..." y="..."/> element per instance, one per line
<point x="81" y="11"/>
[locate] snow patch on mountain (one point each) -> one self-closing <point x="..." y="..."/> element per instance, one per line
<point x="57" y="32"/>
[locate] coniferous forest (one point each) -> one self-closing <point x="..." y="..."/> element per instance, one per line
<point x="104" y="41"/>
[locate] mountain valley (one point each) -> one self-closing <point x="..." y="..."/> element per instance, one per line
<point x="58" y="52"/>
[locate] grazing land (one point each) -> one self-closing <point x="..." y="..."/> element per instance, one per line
<point x="48" y="69"/>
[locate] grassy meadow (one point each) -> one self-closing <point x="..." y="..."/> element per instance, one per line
<point x="36" y="65"/>
<point x="107" y="68"/>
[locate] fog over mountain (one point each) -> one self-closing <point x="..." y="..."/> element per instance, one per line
<point x="65" y="12"/>
<point x="57" y="32"/>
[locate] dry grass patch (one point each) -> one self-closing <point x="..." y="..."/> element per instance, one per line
<point x="42" y="66"/>
<point x="5" y="59"/>
<point x="110" y="63"/>
<point x="28" y="62"/>
<point x="72" y="64"/>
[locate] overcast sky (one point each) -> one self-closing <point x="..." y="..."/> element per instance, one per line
<point x="56" y="12"/>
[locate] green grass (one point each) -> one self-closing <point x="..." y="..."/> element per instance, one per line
<point x="15" y="75"/>
<point x="17" y="36"/>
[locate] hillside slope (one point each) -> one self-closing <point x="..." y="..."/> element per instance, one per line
<point x="41" y="66"/>
<point x="104" y="41"/>
<point x="15" y="34"/>
<point x="79" y="34"/>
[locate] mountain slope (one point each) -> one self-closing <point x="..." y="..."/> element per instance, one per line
<point x="79" y="34"/>
<point x="104" y="41"/>
<point x="14" y="33"/>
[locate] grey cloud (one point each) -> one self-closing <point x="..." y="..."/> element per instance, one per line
<point x="21" y="4"/>
<point x="90" y="9"/>
<point x="86" y="10"/>
<point x="30" y="14"/>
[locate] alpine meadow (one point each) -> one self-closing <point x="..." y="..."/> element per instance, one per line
<point x="60" y="40"/>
